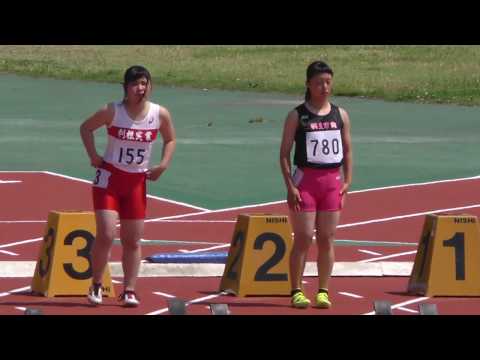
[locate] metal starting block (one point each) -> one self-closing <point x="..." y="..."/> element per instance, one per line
<point x="219" y="309"/>
<point x="31" y="311"/>
<point x="382" y="307"/>
<point x="177" y="307"/>
<point x="428" y="309"/>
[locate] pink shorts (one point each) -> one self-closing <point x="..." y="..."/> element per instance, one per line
<point x="115" y="189"/>
<point x="319" y="189"/>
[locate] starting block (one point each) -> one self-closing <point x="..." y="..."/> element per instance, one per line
<point x="258" y="260"/>
<point x="31" y="311"/>
<point x="382" y="307"/>
<point x="219" y="309"/>
<point x="64" y="265"/>
<point x="448" y="257"/>
<point x="177" y="307"/>
<point x="428" y="309"/>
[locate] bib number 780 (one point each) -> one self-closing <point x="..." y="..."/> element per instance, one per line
<point x="324" y="147"/>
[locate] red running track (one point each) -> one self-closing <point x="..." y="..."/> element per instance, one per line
<point x="38" y="193"/>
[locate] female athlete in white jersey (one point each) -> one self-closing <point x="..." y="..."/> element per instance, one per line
<point x="119" y="185"/>
<point x="316" y="194"/>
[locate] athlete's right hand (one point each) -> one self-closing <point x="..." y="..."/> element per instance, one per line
<point x="96" y="161"/>
<point x="294" y="199"/>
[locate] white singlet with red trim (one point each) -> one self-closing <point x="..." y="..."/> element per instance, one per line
<point x="130" y="142"/>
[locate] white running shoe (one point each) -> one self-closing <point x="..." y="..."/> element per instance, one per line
<point x="129" y="298"/>
<point x="95" y="295"/>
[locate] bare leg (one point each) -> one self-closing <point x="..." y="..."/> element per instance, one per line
<point x="303" y="224"/>
<point x="326" y="226"/>
<point x="106" y="228"/>
<point x="131" y="232"/>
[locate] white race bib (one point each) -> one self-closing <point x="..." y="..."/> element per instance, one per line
<point x="101" y="178"/>
<point x="132" y="154"/>
<point x="324" y="147"/>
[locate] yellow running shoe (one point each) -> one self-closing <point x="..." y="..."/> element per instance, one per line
<point x="300" y="301"/>
<point x="321" y="301"/>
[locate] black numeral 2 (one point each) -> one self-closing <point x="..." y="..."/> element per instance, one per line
<point x="262" y="272"/>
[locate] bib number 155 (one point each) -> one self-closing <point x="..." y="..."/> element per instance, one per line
<point x="130" y="155"/>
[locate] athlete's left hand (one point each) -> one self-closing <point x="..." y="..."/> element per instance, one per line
<point x="155" y="172"/>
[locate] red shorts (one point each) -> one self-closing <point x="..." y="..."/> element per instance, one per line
<point x="319" y="189"/>
<point x="124" y="192"/>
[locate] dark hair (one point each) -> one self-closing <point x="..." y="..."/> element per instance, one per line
<point x="133" y="73"/>
<point x="315" y="68"/>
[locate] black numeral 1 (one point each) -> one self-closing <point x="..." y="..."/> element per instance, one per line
<point x="458" y="242"/>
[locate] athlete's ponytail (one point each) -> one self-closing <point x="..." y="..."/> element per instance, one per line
<point x="317" y="67"/>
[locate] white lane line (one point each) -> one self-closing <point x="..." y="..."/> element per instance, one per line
<point x="351" y="295"/>
<point x="149" y="196"/>
<point x="20" y="171"/>
<point x="416" y="184"/>
<point x="176" y="216"/>
<point x="14" y="291"/>
<point x="351" y="192"/>
<point x="249" y="206"/>
<point x="21" y="221"/>
<point x="206" y="249"/>
<point x="164" y="294"/>
<point x="8" y="252"/>
<point x="369" y="252"/>
<point x="373" y="221"/>
<point x="20" y="242"/>
<point x="388" y="256"/>
<point x="408" y="216"/>
<point x="164" y="310"/>
<point x="177" y="202"/>
<point x="402" y="304"/>
<point x="20" y="308"/>
<point x="407" y="310"/>
<point x="150" y="220"/>
<point x="366" y="222"/>
<point x="116" y="281"/>
<point x="10" y="181"/>
<point x="196" y="221"/>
